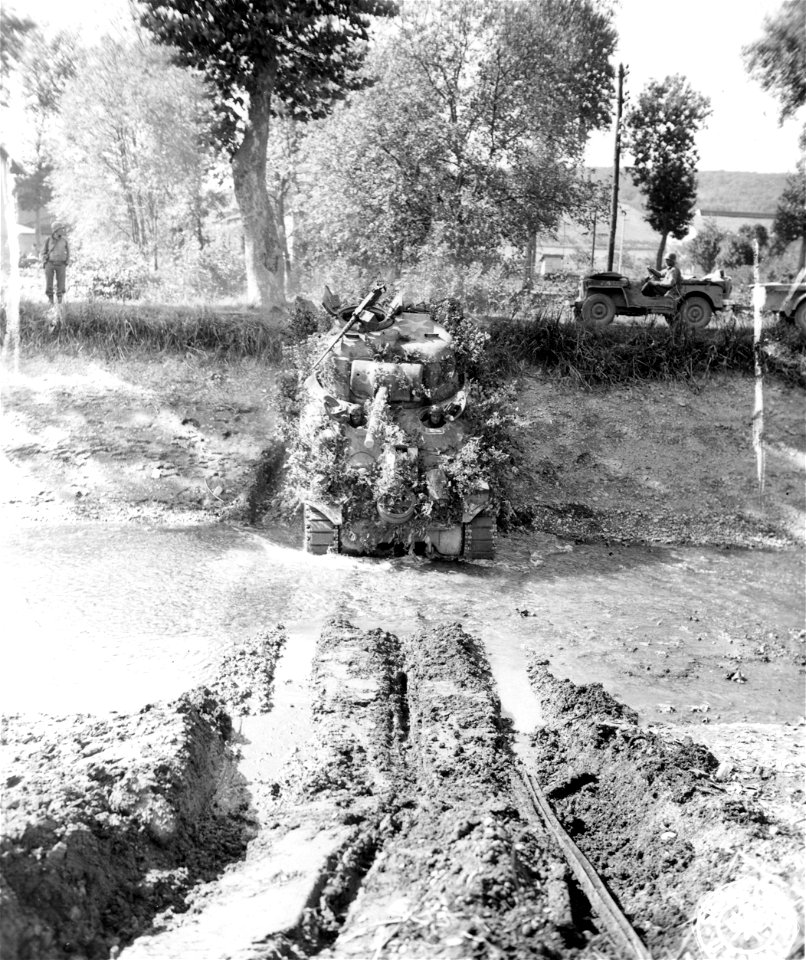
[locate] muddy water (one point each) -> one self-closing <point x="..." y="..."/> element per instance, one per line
<point x="112" y="617"/>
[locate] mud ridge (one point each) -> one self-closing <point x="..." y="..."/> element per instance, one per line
<point x="330" y="812"/>
<point x="243" y="680"/>
<point x="647" y="810"/>
<point x="110" y="821"/>
<point x="465" y="874"/>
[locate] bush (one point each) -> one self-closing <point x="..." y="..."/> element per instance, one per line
<point x="93" y="280"/>
<point x="214" y="273"/>
<point x="620" y="354"/>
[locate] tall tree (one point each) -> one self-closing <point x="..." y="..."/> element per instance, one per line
<point x="738" y="249"/>
<point x="660" y="133"/>
<point x="706" y="246"/>
<point x="474" y="132"/>
<point x="260" y="56"/>
<point x="48" y="64"/>
<point x="131" y="155"/>
<point x="778" y="59"/>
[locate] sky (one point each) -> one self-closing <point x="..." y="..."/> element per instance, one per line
<point x="701" y="39"/>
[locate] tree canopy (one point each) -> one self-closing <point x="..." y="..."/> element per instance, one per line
<point x="304" y="53"/>
<point x="778" y="58"/>
<point x="472" y="135"/>
<point x="47" y="66"/>
<point x="13" y="33"/>
<point x="131" y="157"/>
<point x="660" y="133"/>
<point x="705" y="247"/>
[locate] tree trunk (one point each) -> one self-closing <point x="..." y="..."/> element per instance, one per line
<point x="802" y="257"/>
<point x="262" y="249"/>
<point x="661" y="248"/>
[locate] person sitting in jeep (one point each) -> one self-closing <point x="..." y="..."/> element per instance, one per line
<point x="664" y="283"/>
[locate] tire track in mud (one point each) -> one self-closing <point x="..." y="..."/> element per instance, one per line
<point x="388" y="822"/>
<point x="394" y="827"/>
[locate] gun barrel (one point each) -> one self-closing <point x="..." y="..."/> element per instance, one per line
<point x="369" y="300"/>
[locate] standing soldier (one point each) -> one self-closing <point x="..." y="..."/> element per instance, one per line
<point x="55" y="258"/>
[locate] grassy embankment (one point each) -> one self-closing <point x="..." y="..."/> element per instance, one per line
<point x="622" y="353"/>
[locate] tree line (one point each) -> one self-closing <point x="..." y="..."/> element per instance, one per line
<point x="358" y="135"/>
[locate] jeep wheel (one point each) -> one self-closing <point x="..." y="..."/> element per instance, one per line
<point x="800" y="319"/>
<point x="480" y="536"/>
<point x="696" y="313"/>
<point x="321" y="535"/>
<point x="598" y="310"/>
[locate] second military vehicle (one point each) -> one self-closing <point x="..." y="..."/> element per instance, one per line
<point x="788" y="301"/>
<point x="603" y="296"/>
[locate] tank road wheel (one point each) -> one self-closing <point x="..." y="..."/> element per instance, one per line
<point x="598" y="310"/>
<point x="696" y="313"/>
<point x="480" y="538"/>
<point x="800" y="320"/>
<point x="321" y="535"/>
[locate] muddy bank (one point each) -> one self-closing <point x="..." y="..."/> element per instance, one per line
<point x="109" y="821"/>
<point x="185" y="441"/>
<point x="663" y="463"/>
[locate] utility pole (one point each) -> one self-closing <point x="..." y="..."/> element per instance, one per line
<point x="611" y="246"/>
<point x="621" y="241"/>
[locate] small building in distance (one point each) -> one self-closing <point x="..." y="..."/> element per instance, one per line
<point x="552" y="260"/>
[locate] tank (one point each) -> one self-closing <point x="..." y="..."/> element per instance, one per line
<point x="391" y="464"/>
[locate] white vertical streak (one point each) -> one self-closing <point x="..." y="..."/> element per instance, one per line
<point x="758" y="406"/>
<point x="9" y="261"/>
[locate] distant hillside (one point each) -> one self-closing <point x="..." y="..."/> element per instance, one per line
<point x="721" y="193"/>
<point x="717" y="189"/>
<point x="727" y="190"/>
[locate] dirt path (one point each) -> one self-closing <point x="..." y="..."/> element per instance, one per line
<point x="395" y="826"/>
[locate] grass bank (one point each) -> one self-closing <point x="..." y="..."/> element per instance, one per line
<point x="640" y="352"/>
<point x="621" y="353"/>
<point x="121" y="330"/>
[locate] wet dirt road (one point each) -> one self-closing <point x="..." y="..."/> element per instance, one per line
<point x="112" y="617"/>
<point x="369" y="800"/>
